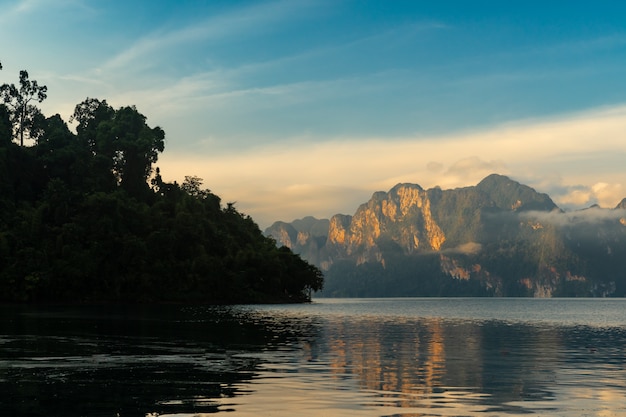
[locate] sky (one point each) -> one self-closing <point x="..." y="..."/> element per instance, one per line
<point x="292" y="108"/>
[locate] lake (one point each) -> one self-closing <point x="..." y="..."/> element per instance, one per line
<point x="334" y="357"/>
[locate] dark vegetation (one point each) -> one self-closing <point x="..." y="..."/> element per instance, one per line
<point x="85" y="218"/>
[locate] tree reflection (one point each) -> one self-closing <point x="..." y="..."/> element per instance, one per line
<point x="297" y="360"/>
<point x="125" y="361"/>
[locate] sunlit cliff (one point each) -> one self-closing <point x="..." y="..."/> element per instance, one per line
<point x="498" y="238"/>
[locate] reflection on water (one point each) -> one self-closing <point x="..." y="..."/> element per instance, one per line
<point x="98" y="362"/>
<point x="404" y="357"/>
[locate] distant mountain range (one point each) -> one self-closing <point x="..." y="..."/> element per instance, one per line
<point x="498" y="238"/>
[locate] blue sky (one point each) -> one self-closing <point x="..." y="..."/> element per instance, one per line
<point x="294" y="108"/>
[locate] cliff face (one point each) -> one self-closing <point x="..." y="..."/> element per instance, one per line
<point x="402" y="216"/>
<point x="306" y="237"/>
<point x="621" y="205"/>
<point x="496" y="238"/>
<point x="284" y="234"/>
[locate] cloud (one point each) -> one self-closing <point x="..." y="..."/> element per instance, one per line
<point x="308" y="79"/>
<point x="434" y="167"/>
<point x="469" y="248"/>
<point x="473" y="167"/>
<point x="29" y="6"/>
<point x="308" y="199"/>
<point x="26" y="8"/>
<point x="576" y="197"/>
<point x="598" y="43"/>
<point x="607" y="194"/>
<point x="295" y="178"/>
<point x="588" y="216"/>
<point x="258" y="17"/>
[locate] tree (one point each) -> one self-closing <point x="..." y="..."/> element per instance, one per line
<point x="61" y="155"/>
<point x="123" y="144"/>
<point x="25" y="117"/>
<point x="79" y="223"/>
<point x="192" y="185"/>
<point x="5" y="123"/>
<point x="136" y="148"/>
<point x="89" y="114"/>
<point x="5" y="126"/>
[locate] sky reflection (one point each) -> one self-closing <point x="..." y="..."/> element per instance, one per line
<point x="394" y="365"/>
<point x="355" y="358"/>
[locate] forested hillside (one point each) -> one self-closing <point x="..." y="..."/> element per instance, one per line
<point x="86" y="217"/>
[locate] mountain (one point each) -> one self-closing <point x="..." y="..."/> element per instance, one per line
<point x="498" y="238"/>
<point x="304" y="236"/>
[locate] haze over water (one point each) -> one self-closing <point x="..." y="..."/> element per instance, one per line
<point x="334" y="357"/>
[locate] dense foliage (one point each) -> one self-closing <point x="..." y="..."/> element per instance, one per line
<point x="85" y="218"/>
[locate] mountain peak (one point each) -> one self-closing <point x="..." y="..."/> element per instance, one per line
<point x="508" y="194"/>
<point x="498" y="237"/>
<point x="408" y="185"/>
<point x="621" y="205"/>
<point x="495" y="178"/>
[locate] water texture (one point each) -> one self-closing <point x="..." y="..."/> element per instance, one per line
<point x="334" y="357"/>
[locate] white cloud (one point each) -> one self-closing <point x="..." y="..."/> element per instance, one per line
<point x="292" y="180"/>
<point x="316" y="174"/>
<point x="575" y="197"/>
<point x="608" y="195"/>
<point x="587" y="216"/>
<point x="469" y="248"/>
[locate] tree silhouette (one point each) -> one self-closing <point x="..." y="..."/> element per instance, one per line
<point x="121" y="141"/>
<point x="25" y="117"/>
<point x="80" y="224"/>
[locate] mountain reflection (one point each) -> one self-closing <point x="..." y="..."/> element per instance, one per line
<point x="335" y="359"/>
<point x="389" y="357"/>
<point x="429" y="362"/>
<point x="415" y="358"/>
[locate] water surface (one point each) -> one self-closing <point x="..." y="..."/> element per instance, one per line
<point x="334" y="357"/>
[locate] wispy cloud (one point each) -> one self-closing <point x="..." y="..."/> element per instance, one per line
<point x="26" y="7"/>
<point x="258" y="17"/>
<point x="283" y="117"/>
<point x="589" y="216"/>
<point x="282" y="75"/>
<point x="469" y="248"/>
<point x="472" y="166"/>
<point x="583" y="45"/>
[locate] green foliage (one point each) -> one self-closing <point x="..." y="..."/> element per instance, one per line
<point x="79" y="223"/>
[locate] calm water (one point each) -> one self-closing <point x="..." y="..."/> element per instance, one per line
<point x="355" y="357"/>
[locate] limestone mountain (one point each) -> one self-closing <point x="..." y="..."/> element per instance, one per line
<point x="499" y="237"/>
<point x="621" y="205"/>
<point x="305" y="236"/>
